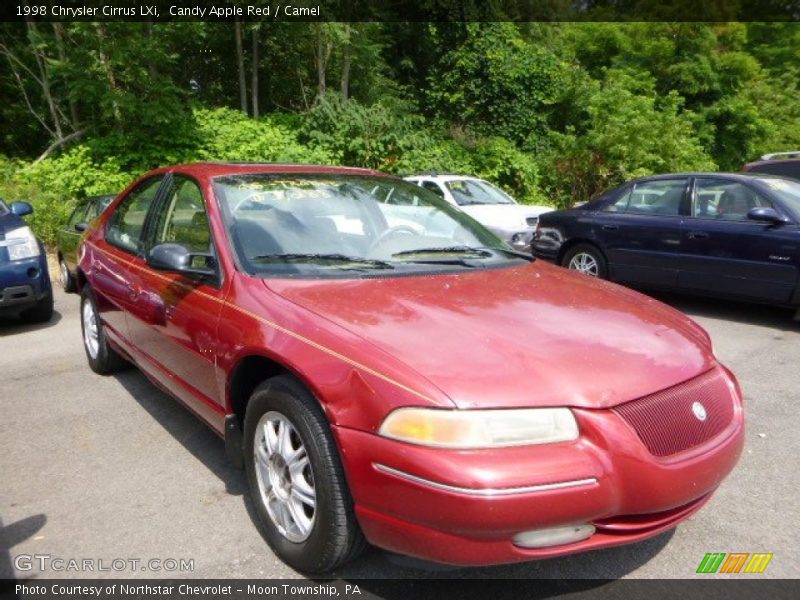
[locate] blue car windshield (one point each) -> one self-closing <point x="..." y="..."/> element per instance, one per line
<point x="787" y="190"/>
<point x="3" y="209"/>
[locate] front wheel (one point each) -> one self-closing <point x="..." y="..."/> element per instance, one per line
<point x="586" y="259"/>
<point x="296" y="479"/>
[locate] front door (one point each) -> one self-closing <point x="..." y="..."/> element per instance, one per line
<point x="724" y="252"/>
<point x="123" y="242"/>
<point x="175" y="321"/>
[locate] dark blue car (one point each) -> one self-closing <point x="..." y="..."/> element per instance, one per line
<point x="24" y="281"/>
<point x="726" y="235"/>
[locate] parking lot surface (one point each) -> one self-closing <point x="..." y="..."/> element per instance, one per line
<point x="102" y="468"/>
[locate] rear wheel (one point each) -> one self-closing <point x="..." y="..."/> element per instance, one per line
<point x="586" y="259"/>
<point x="65" y="278"/>
<point x="296" y="479"/>
<point x="41" y="312"/>
<point x="103" y="359"/>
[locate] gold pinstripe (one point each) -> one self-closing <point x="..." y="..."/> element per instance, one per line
<point x="130" y="263"/>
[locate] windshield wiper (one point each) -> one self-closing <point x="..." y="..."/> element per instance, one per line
<point x="314" y="257"/>
<point x="481" y="252"/>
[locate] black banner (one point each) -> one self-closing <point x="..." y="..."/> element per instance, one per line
<point x="394" y="589"/>
<point x="400" y="10"/>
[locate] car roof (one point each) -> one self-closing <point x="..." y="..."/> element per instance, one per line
<point x="220" y="169"/>
<point x="733" y="176"/>
<point x="443" y="177"/>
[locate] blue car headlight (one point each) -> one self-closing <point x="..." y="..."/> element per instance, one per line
<point x="21" y="243"/>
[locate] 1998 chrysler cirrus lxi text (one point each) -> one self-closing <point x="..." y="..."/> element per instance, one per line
<point x="426" y="389"/>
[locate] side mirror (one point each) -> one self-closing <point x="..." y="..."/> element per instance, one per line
<point x="81" y="227"/>
<point x="765" y="214"/>
<point x="177" y="259"/>
<point x="21" y="208"/>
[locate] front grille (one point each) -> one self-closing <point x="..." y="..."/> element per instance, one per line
<point x="665" y="421"/>
<point x="532" y="221"/>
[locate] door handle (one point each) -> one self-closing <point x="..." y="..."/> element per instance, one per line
<point x="609" y="227"/>
<point x="134" y="291"/>
<point x="697" y="235"/>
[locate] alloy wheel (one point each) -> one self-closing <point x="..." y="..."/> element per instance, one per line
<point x="583" y="262"/>
<point x="91" y="337"/>
<point x="285" y="478"/>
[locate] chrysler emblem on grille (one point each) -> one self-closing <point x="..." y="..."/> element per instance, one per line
<point x="699" y="411"/>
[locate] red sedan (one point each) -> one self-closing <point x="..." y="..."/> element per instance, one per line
<point x="387" y="370"/>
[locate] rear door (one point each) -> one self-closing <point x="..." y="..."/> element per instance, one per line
<point x="640" y="232"/>
<point x="726" y="253"/>
<point x="174" y="321"/>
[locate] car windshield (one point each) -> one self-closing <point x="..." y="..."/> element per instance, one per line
<point x="787" y="190"/>
<point x="475" y="191"/>
<point x="3" y="208"/>
<point x="329" y="225"/>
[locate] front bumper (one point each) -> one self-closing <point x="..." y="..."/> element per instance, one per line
<point x="23" y="283"/>
<point x="464" y="507"/>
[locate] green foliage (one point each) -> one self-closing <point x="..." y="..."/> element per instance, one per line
<point x="363" y="136"/>
<point x="552" y="112"/>
<point x="229" y="135"/>
<point x="498" y="84"/>
<point x="52" y="186"/>
<point x="630" y="132"/>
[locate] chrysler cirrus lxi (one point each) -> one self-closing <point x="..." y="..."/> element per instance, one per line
<point x="425" y="389"/>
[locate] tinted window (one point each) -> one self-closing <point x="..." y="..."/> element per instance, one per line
<point x="126" y="226"/>
<point x="724" y="200"/>
<point x="77" y="215"/>
<point x="620" y="203"/>
<point x="661" y="197"/>
<point x="96" y="206"/>
<point x="183" y="219"/>
<point x="787" y="190"/>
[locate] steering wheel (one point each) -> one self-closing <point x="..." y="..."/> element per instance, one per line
<point x="387" y="233"/>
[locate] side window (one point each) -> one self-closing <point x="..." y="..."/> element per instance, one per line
<point x="93" y="211"/>
<point x="126" y="226"/>
<point x="183" y="218"/>
<point x="620" y="204"/>
<point x="660" y="197"/>
<point x="434" y="187"/>
<point x="724" y="200"/>
<point x="77" y="216"/>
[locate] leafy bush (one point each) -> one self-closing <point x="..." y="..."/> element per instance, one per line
<point x="629" y="132"/>
<point x="53" y="185"/>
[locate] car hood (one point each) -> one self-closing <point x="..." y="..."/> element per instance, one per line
<point x="534" y="335"/>
<point x="503" y="215"/>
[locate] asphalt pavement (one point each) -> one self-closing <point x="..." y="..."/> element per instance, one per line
<point x="105" y="469"/>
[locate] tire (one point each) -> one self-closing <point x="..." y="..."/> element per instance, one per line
<point x="586" y="259"/>
<point x="65" y="278"/>
<point x="41" y="312"/>
<point x="326" y="534"/>
<point x="103" y="359"/>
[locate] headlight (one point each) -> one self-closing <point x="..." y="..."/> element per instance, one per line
<point x="21" y="243"/>
<point x="495" y="428"/>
